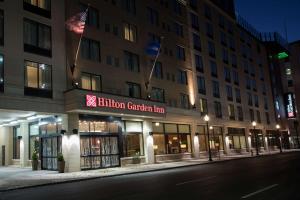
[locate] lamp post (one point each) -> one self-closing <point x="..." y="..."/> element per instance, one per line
<point x="256" y="138"/>
<point x="206" y="119"/>
<point x="280" y="142"/>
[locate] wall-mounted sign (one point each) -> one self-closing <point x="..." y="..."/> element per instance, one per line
<point x="111" y="103"/>
<point x="290" y="105"/>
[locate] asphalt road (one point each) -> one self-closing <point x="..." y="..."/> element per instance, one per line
<point x="261" y="178"/>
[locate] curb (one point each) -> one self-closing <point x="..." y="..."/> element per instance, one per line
<point x="137" y="172"/>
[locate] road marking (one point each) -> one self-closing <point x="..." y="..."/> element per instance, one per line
<point x="259" y="191"/>
<point x="195" y="180"/>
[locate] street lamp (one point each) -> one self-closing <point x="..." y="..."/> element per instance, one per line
<point x="206" y="119"/>
<point x="280" y="142"/>
<point x="256" y="138"/>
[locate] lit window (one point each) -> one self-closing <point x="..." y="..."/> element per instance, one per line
<point x="90" y="82"/>
<point x="38" y="75"/>
<point x="288" y="71"/>
<point x="130" y="32"/>
<point x="44" y="4"/>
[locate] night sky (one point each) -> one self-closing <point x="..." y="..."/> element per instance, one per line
<point x="270" y="16"/>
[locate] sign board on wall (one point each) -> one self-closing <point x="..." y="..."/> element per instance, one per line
<point x="290" y="105"/>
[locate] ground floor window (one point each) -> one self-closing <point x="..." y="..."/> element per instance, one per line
<point x="236" y="138"/>
<point x="216" y="138"/>
<point x="171" y="138"/>
<point x="34" y="139"/>
<point x="273" y="138"/>
<point x="16" y="142"/>
<point x="133" y="142"/>
<point x="257" y="135"/>
<point x="202" y="138"/>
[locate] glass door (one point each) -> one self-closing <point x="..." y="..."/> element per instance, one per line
<point x="51" y="147"/>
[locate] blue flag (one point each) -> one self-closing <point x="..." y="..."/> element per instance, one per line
<point x="153" y="48"/>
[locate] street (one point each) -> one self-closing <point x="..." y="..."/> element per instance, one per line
<point x="266" y="177"/>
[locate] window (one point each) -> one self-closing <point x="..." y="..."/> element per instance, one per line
<point x="109" y="60"/>
<point x="233" y="60"/>
<point x="193" y="4"/>
<point x="199" y="63"/>
<point x="218" y="109"/>
<point x="216" y="91"/>
<point x="157" y="94"/>
<point x="290" y="83"/>
<point x="201" y="85"/>
<point x="238" y="95"/>
<point x="16" y="142"/>
<point x="1" y="27"/>
<point x="221" y="21"/>
<point x="180" y="52"/>
<point x="213" y="69"/>
<point x="267" y="118"/>
<point x="231" y="43"/>
<point x="194" y="21"/>
<point x="252" y="70"/>
<point x="178" y="28"/>
<point x="130" y="32"/>
<point x="251" y="113"/>
<point x="133" y="90"/>
<point x="181" y="77"/>
<point x="258" y="116"/>
<point x="37" y="38"/>
<point x="152" y="16"/>
<point x="229" y="93"/>
<point x="266" y="106"/>
<point x="264" y="88"/>
<point x="158" y="71"/>
<point x="250" y="103"/>
<point x="207" y="11"/>
<point x="177" y="7"/>
<point x="129" y="6"/>
<point x="132" y="139"/>
<point x="240" y="113"/>
<point x="34" y="138"/>
<point x="203" y="107"/>
<point x="196" y="42"/>
<point x="227" y="75"/>
<point x="288" y="71"/>
<point x="211" y="49"/>
<point x="1" y="73"/>
<point x="90" y="82"/>
<point x="38" y="79"/>
<point x="90" y="50"/>
<point x="209" y="30"/>
<point x="225" y="56"/>
<point x="40" y="7"/>
<point x="184" y="101"/>
<point x="254" y="85"/>
<point x="261" y="73"/>
<point x="235" y="76"/>
<point x="231" y="112"/>
<point x="256" y="100"/>
<point x="246" y="66"/>
<point x="92" y="18"/>
<point x="116" y="30"/>
<point x="223" y="38"/>
<point x="132" y="62"/>
<point x="248" y="82"/>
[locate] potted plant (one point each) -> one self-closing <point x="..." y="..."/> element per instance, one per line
<point x="136" y="158"/>
<point x="34" y="161"/>
<point x="60" y="163"/>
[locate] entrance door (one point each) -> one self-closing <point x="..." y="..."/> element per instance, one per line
<point x="51" y="147"/>
<point x="99" y="151"/>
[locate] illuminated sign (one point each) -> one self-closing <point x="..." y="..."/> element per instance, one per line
<point x="290" y="105"/>
<point x="94" y="101"/>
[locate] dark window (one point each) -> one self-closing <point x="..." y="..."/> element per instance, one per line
<point x="92" y="18"/>
<point x="267" y="118"/>
<point x="158" y="70"/>
<point x="231" y="112"/>
<point x="90" y="50"/>
<point x="181" y="77"/>
<point x="133" y="90"/>
<point x="209" y="30"/>
<point x="199" y="63"/>
<point x="201" y="85"/>
<point x="40" y="7"/>
<point x="254" y="85"/>
<point x="193" y="4"/>
<point x="194" y="21"/>
<point x="211" y="49"/>
<point x="233" y="60"/>
<point x="248" y="82"/>
<point x="152" y="16"/>
<point x="225" y="56"/>
<point x="256" y="101"/>
<point x="227" y="75"/>
<point x="129" y="6"/>
<point x="235" y="76"/>
<point x="223" y="38"/>
<point x="231" y="43"/>
<point x="1" y="73"/>
<point x="213" y="69"/>
<point x="290" y="83"/>
<point x="37" y="38"/>
<point x="221" y="21"/>
<point x="251" y="113"/>
<point x="246" y="66"/>
<point x="180" y="53"/>
<point x="261" y="73"/>
<point x="38" y="79"/>
<point x="207" y="11"/>
<point x="250" y="102"/>
<point x="218" y="109"/>
<point x="258" y="116"/>
<point x="216" y="90"/>
<point x="91" y="82"/>
<point x="1" y="27"/>
<point x="131" y="61"/>
<point x="184" y="101"/>
<point x="266" y="105"/>
<point x="178" y="29"/>
<point x="229" y="93"/>
<point x="203" y="107"/>
<point x="238" y="95"/>
<point x="196" y="42"/>
<point x="177" y="8"/>
<point x="157" y="94"/>
<point x="240" y="113"/>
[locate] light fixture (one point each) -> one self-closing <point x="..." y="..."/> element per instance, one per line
<point x="254" y="123"/>
<point x="211" y="127"/>
<point x="277" y="126"/>
<point x="206" y="118"/>
<point x="156" y="123"/>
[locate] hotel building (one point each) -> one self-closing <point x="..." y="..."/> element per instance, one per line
<point x="100" y="113"/>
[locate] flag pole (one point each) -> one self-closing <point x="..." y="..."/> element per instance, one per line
<point x="153" y="66"/>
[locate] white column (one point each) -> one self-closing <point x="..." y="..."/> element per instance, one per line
<point x="148" y="141"/>
<point x="248" y="139"/>
<point x="24" y="145"/>
<point x="225" y="139"/>
<point x="195" y="139"/>
<point x="265" y="140"/>
<point x="71" y="143"/>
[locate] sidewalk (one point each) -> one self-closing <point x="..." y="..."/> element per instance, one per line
<point x="15" y="178"/>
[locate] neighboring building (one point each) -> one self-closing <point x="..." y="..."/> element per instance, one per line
<point x="104" y="116"/>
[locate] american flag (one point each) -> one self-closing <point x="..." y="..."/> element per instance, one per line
<point x="77" y="22"/>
